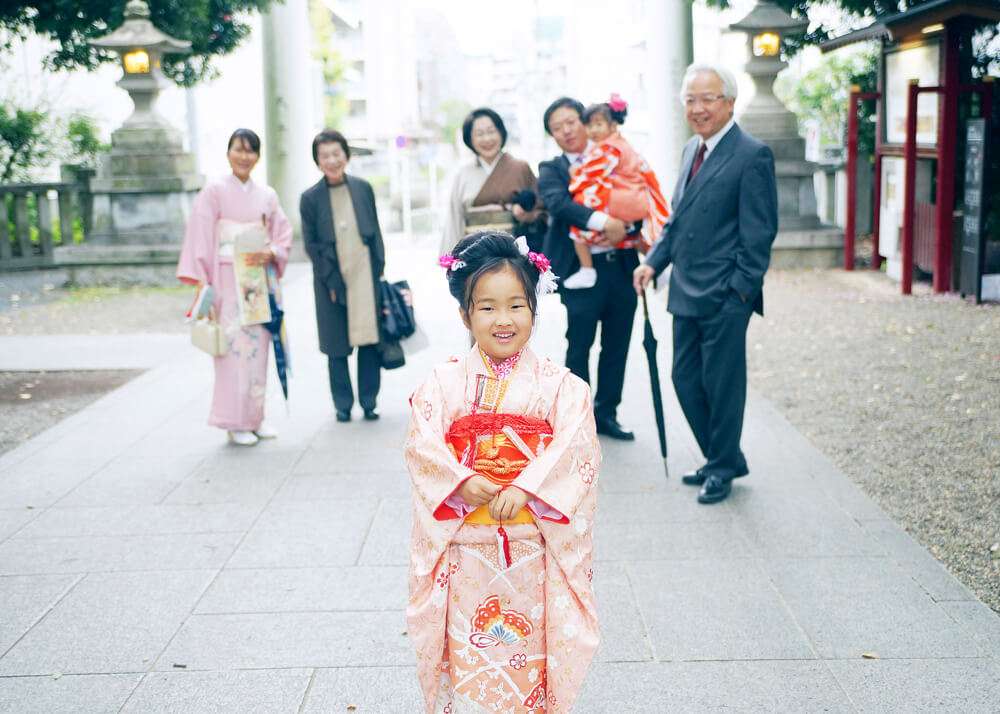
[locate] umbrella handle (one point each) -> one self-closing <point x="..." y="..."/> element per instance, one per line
<point x="645" y="305"/>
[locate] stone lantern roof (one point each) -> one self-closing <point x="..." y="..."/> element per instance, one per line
<point x="768" y="16"/>
<point x="139" y="31"/>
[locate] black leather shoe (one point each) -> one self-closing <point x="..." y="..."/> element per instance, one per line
<point x="695" y="478"/>
<point x="609" y="426"/>
<point x="714" y="490"/>
<point x="343" y="415"/>
<point x="371" y="415"/>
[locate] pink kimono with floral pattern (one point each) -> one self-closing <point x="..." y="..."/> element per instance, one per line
<point x="499" y="631"/>
<point x="241" y="373"/>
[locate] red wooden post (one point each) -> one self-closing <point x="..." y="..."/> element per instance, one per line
<point x="947" y="143"/>
<point x="909" y="186"/>
<point x="850" y="223"/>
<point x="877" y="210"/>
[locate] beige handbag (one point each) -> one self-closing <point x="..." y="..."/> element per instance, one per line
<point x="207" y="336"/>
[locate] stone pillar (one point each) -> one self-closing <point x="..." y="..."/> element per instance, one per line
<point x="669" y="51"/>
<point x="291" y="120"/>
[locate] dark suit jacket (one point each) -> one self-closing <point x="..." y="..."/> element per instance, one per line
<point x="723" y="224"/>
<point x="553" y="187"/>
<point x="321" y="244"/>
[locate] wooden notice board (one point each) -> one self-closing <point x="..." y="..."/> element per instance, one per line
<point x="973" y="237"/>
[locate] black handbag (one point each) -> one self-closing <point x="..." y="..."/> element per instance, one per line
<point x="391" y="355"/>
<point x="398" y="321"/>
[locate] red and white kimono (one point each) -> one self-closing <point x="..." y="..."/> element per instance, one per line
<point x="502" y="616"/>
<point x="616" y="180"/>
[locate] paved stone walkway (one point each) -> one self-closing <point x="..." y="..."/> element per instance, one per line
<point x="146" y="566"/>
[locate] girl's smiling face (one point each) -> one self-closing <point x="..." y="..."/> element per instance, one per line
<point x="499" y="316"/>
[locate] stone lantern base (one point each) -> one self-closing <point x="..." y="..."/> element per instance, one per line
<point x="140" y="202"/>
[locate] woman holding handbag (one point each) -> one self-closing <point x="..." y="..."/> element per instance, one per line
<point x="342" y="236"/>
<point x="223" y="210"/>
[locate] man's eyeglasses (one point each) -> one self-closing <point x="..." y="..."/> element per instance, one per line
<point x="690" y="100"/>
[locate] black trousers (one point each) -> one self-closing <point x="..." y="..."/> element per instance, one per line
<point x="710" y="378"/>
<point x="369" y="379"/>
<point x="611" y="302"/>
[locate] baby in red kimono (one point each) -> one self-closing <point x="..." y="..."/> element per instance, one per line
<point x="616" y="180"/>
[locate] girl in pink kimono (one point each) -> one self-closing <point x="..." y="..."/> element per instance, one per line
<point x="220" y="209"/>
<point x="503" y="456"/>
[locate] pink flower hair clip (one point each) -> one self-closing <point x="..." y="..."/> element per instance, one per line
<point x="539" y="261"/>
<point x="616" y="103"/>
<point x="450" y="262"/>
<point x="546" y="278"/>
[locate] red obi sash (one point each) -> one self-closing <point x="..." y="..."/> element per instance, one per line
<point x="494" y="446"/>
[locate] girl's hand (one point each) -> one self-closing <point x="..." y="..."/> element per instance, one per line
<point x="508" y="503"/>
<point x="478" y="490"/>
<point x="262" y="258"/>
<point x="519" y="213"/>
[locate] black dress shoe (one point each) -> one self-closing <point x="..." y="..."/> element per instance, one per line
<point x="715" y="489"/>
<point x="695" y="478"/>
<point x="609" y="426"/>
<point x="343" y="415"/>
<point x="371" y="415"/>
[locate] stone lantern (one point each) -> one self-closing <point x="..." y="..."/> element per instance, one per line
<point x="141" y="47"/>
<point x="802" y="240"/>
<point x="143" y="188"/>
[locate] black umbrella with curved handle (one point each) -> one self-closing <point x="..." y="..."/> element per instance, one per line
<point x="649" y="344"/>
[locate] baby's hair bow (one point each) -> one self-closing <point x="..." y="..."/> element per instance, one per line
<point x="617" y="103"/>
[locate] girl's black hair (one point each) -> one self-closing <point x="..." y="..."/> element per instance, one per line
<point x="246" y="137"/>
<point x="488" y="252"/>
<point x="603" y="108"/>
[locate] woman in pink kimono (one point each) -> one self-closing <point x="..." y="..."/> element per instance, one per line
<point x="219" y="211"/>
<point x="503" y="456"/>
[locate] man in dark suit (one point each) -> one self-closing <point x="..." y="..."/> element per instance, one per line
<point x="725" y="218"/>
<point x="611" y="301"/>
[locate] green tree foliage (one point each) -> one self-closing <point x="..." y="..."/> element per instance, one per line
<point x="451" y="114"/>
<point x="821" y="94"/>
<point x="84" y="142"/>
<point x="30" y="139"/>
<point x="23" y="141"/>
<point x="332" y="64"/>
<point x="214" y="27"/>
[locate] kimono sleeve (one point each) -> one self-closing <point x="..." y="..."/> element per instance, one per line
<point x="197" y="257"/>
<point x="566" y="471"/>
<point x="280" y="229"/>
<point x="434" y="470"/>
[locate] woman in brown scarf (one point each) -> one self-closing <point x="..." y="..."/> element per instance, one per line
<point x="491" y="181"/>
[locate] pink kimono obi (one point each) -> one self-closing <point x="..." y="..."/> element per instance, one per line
<point x="616" y="180"/>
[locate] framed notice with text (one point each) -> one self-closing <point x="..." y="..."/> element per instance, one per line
<point x="920" y="62"/>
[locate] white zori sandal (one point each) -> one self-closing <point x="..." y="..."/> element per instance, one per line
<point x="243" y="438"/>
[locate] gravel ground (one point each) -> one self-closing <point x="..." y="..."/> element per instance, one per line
<point x="78" y="311"/>
<point x="31" y="402"/>
<point x="903" y="394"/>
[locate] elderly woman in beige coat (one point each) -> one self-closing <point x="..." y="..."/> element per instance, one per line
<point x="343" y="239"/>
